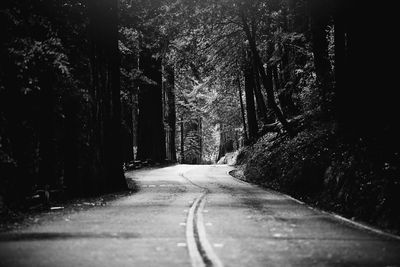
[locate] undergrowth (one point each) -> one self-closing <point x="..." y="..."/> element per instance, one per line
<point x="326" y="169"/>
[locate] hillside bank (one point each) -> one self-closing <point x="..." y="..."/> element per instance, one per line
<point x="324" y="168"/>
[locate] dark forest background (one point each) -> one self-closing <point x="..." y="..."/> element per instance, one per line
<point x="306" y="89"/>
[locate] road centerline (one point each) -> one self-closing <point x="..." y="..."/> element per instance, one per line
<point x="200" y="250"/>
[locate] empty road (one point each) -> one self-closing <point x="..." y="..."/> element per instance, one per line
<point x="198" y="215"/>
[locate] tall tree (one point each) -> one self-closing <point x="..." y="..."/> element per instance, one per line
<point x="47" y="150"/>
<point x="169" y="111"/>
<point x="261" y="107"/>
<point x="320" y="17"/>
<point x="340" y="14"/>
<point x="250" y="107"/>
<point x="151" y="135"/>
<point x="242" y="107"/>
<point x="105" y="94"/>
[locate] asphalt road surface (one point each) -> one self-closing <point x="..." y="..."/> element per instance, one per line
<point x="193" y="215"/>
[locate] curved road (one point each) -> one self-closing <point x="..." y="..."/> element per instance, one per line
<point x="198" y="215"/>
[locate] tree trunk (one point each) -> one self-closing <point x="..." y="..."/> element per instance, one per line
<point x="222" y="141"/>
<point x="242" y="109"/>
<point x="47" y="148"/>
<point x="72" y="178"/>
<point x="200" y="136"/>
<point x="116" y="178"/>
<point x="105" y="93"/>
<point x="182" y="142"/>
<point x="250" y="108"/>
<point x="169" y="111"/>
<point x="266" y="78"/>
<point x="261" y="107"/>
<point x="127" y="130"/>
<point x="340" y="61"/>
<point x="319" y="22"/>
<point x="151" y="136"/>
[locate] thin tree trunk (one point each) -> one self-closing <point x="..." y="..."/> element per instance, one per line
<point x="200" y="135"/>
<point x="275" y="75"/>
<point x="134" y="122"/>
<point x="340" y="61"/>
<point x="250" y="107"/>
<point x="242" y="109"/>
<point x="182" y="143"/>
<point x="319" y="23"/>
<point x="221" y="150"/>
<point x="261" y="107"/>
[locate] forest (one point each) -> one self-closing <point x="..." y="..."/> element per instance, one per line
<point x="303" y="90"/>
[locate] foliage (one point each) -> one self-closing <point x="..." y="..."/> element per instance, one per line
<point x="322" y="168"/>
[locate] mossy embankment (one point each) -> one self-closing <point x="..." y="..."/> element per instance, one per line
<point x="324" y="168"/>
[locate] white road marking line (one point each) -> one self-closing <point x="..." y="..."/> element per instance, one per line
<point x="218" y="245"/>
<point x="185" y="210"/>
<point x="295" y="200"/>
<point x="162" y="185"/>
<point x="193" y="245"/>
<point x="209" y="224"/>
<point x="194" y="253"/>
<point x="182" y="223"/>
<point x="196" y="236"/>
<point x="152" y="185"/>
<point x="181" y="244"/>
<point x="205" y="211"/>
<point x="203" y="238"/>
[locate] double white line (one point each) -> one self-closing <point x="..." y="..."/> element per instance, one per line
<point x="200" y="250"/>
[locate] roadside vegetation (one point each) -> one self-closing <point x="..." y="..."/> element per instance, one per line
<point x="320" y="167"/>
